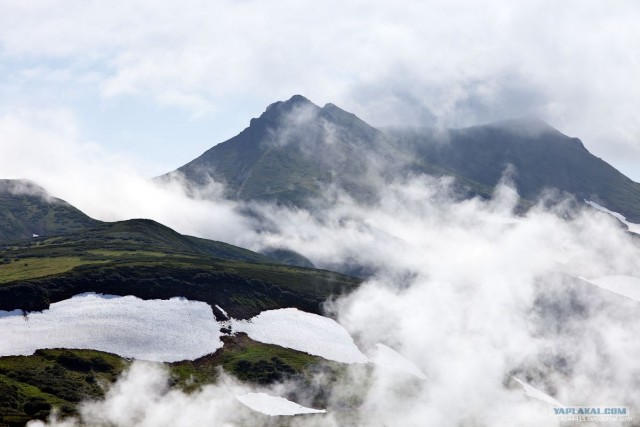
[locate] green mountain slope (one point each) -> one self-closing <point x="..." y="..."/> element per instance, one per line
<point x="142" y="235"/>
<point x="148" y="260"/>
<point x="26" y="209"/>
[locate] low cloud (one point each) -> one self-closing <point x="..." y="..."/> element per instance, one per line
<point x="47" y="148"/>
<point x="469" y="291"/>
<point x="471" y="294"/>
<point x="143" y="397"/>
<point x="474" y="294"/>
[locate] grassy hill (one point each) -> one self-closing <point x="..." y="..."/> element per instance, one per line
<point x="148" y="260"/>
<point x="31" y="386"/>
<point x="26" y="209"/>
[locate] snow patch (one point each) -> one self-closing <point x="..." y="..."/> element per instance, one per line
<point x="156" y="330"/>
<point x="627" y="286"/>
<point x="534" y="393"/>
<point x="390" y="359"/>
<point x="302" y="331"/>
<point x="274" y="405"/>
<point x="12" y="313"/>
<point x="634" y="228"/>
<point x="222" y="311"/>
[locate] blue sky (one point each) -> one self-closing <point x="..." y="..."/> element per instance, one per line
<point x="158" y="83"/>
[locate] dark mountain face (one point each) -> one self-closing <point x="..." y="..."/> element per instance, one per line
<point x="295" y="150"/>
<point x="26" y="209"/>
<point x="541" y="157"/>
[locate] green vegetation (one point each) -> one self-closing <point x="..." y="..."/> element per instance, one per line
<point x="30" y="386"/>
<point x="135" y="237"/>
<point x="148" y="260"/>
<point x="118" y="254"/>
<point x="31" y="268"/>
<point x="247" y="360"/>
<point x="26" y="209"/>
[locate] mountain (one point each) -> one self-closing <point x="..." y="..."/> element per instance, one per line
<point x="27" y="209"/>
<point x="542" y="157"/>
<point x="295" y="150"/>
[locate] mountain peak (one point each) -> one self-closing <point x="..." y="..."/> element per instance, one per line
<point x="26" y="209"/>
<point x="288" y="105"/>
<point x="22" y="186"/>
<point x="298" y="99"/>
<point x="275" y="111"/>
<point x="333" y="109"/>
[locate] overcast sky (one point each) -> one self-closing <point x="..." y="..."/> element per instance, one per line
<point x="157" y="83"/>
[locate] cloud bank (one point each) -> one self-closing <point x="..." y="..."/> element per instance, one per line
<point x="470" y="293"/>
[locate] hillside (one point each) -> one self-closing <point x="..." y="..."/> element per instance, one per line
<point x="30" y="386"/>
<point x="543" y="158"/>
<point x="26" y="209"/>
<point x="294" y="151"/>
<point x="151" y="261"/>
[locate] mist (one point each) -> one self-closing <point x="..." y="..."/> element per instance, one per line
<point x="143" y="397"/>
<point x="470" y="292"/>
<point x="49" y="149"/>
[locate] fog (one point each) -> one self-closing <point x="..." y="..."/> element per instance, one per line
<point x="469" y="292"/>
<point x="143" y="397"/>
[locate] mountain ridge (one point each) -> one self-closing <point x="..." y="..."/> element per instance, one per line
<point x="290" y="153"/>
<point x="543" y="159"/>
<point x="296" y="150"/>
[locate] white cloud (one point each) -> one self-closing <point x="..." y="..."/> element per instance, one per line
<point x="143" y="398"/>
<point x="48" y="148"/>
<point x="469" y="292"/>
